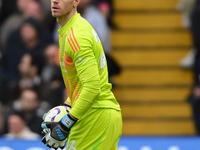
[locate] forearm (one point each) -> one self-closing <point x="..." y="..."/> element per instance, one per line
<point x="68" y="102"/>
<point x="84" y="102"/>
<point x="90" y="91"/>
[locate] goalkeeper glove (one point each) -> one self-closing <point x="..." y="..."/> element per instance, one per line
<point x="57" y="132"/>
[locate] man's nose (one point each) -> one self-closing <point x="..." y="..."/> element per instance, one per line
<point x="55" y="1"/>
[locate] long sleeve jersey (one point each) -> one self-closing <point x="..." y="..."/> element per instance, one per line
<point x="84" y="68"/>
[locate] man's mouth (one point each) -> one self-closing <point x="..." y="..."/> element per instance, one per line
<point x="55" y="8"/>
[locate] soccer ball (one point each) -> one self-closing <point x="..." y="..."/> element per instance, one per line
<point x="56" y="114"/>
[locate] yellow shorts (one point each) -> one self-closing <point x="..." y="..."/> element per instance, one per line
<point x="99" y="129"/>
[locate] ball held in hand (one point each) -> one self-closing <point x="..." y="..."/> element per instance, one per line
<point x="56" y="114"/>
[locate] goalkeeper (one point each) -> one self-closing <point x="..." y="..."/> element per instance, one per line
<point x="94" y="121"/>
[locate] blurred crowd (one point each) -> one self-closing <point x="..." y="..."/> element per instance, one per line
<point x="191" y="22"/>
<point x="30" y="78"/>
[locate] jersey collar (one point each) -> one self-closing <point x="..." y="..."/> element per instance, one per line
<point x="63" y="29"/>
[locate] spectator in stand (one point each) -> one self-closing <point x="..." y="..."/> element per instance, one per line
<point x="195" y="102"/>
<point x="49" y="21"/>
<point x="195" y="23"/>
<point x="187" y="8"/>
<point x="30" y="38"/>
<point x="14" y="21"/>
<point x="29" y="69"/>
<point x="98" y="22"/>
<point x="18" y="129"/>
<point x="51" y="75"/>
<point x="195" y="96"/>
<point x="30" y="103"/>
<point x="33" y="108"/>
<point x="34" y="9"/>
<point x="50" y="70"/>
<point x="12" y="8"/>
<point x="191" y="21"/>
<point x="106" y="7"/>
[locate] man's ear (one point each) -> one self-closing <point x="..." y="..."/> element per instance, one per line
<point x="76" y="3"/>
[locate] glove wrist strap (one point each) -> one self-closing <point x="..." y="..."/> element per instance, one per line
<point x="67" y="121"/>
<point x="65" y="105"/>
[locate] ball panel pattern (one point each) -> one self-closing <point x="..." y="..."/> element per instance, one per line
<point x="55" y="114"/>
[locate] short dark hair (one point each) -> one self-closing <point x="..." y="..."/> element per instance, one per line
<point x="33" y="22"/>
<point x="18" y="113"/>
<point x="34" y="89"/>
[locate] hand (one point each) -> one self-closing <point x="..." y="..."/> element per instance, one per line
<point x="52" y="143"/>
<point x="67" y="107"/>
<point x="57" y="132"/>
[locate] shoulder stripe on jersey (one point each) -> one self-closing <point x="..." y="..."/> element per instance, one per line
<point x="70" y="43"/>
<point x="73" y="42"/>
<point x="75" y="38"/>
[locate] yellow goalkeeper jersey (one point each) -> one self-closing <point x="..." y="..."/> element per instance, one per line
<point x="84" y="67"/>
